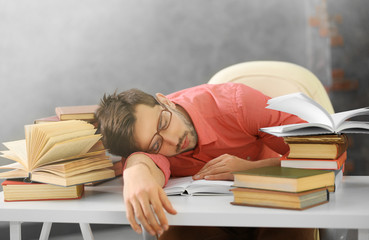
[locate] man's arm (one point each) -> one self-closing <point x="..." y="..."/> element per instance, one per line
<point x="143" y="195"/>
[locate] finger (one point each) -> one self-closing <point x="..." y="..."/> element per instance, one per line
<point x="220" y="176"/>
<point x="217" y="168"/>
<point x="166" y="203"/>
<point x="214" y="161"/>
<point x="131" y="218"/>
<point x="140" y="215"/>
<point x="150" y="213"/>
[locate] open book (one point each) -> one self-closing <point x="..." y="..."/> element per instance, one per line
<point x="319" y="121"/>
<point x="62" y="153"/>
<point x="188" y="186"/>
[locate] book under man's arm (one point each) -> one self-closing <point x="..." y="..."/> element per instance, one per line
<point x="144" y="196"/>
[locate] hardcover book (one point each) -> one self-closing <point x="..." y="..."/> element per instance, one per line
<point x="284" y="179"/>
<point x="83" y="112"/>
<point x="277" y="199"/>
<point x="18" y="190"/>
<point x="320" y="146"/>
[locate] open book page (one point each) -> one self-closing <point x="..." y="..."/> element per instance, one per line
<point x="44" y="136"/>
<point x="302" y="106"/>
<point x="188" y="186"/>
<point x="18" y="149"/>
<point x="354" y="127"/>
<point x="60" y="138"/>
<point x="68" y="148"/>
<point x="339" y="118"/>
<point x="17" y="173"/>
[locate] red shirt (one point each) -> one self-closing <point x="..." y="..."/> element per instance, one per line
<point x="227" y="118"/>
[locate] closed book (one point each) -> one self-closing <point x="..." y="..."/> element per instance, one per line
<point x="82" y="112"/>
<point x="278" y="199"/>
<point x="18" y="190"/>
<point x="332" y="164"/>
<point x="283" y="179"/>
<point x="54" y="118"/>
<point x="319" y="147"/>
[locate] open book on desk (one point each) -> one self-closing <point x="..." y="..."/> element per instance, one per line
<point x="319" y="121"/>
<point x="188" y="186"/>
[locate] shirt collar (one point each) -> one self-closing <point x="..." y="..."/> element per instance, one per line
<point x="204" y="132"/>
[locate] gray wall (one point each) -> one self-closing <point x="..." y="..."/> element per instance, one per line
<point x="69" y="52"/>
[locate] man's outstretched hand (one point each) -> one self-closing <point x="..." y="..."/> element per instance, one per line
<point x="145" y="200"/>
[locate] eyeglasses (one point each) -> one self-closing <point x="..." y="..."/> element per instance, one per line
<point x="163" y="123"/>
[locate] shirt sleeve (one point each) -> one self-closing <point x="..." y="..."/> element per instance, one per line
<point x="254" y="115"/>
<point x="160" y="160"/>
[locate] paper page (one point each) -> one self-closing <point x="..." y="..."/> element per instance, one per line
<point x="210" y="187"/>
<point x="339" y="118"/>
<point x="64" y="137"/>
<point x="176" y="186"/>
<point x="12" y="166"/>
<point x="17" y="173"/>
<point x="12" y="156"/>
<point x="276" y="131"/>
<point x="302" y="106"/>
<point x="67" y="149"/>
<point x="19" y="149"/>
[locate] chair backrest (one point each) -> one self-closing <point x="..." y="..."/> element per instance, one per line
<point x="275" y="78"/>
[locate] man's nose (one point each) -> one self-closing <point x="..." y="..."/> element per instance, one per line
<point x="169" y="138"/>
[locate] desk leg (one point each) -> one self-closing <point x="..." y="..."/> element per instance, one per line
<point x="363" y="234"/>
<point x="15" y="230"/>
<point x="45" y="231"/>
<point x="86" y="231"/>
<point x="147" y="236"/>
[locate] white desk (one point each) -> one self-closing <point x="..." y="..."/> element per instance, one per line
<point x="347" y="208"/>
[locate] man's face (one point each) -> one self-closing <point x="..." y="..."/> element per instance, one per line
<point x="179" y="136"/>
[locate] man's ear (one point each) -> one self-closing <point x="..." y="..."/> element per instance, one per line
<point x="164" y="100"/>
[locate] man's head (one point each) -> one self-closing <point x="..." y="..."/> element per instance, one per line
<point x="134" y="121"/>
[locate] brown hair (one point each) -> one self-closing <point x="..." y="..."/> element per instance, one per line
<point x="116" y="119"/>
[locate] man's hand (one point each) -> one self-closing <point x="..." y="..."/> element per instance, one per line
<point x="145" y="199"/>
<point x="221" y="168"/>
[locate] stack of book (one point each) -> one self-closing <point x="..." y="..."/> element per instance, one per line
<point x="281" y="187"/>
<point x="63" y="153"/>
<point x="316" y="152"/>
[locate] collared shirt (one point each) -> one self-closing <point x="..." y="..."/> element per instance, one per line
<point x="227" y="118"/>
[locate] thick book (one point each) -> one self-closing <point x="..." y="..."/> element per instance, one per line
<point x="319" y="121"/>
<point x="284" y="179"/>
<point x="188" y="186"/>
<point x="82" y="112"/>
<point x="19" y="190"/>
<point x="63" y="153"/>
<point x="319" y="147"/>
<point x="277" y="199"/>
<point x="332" y="164"/>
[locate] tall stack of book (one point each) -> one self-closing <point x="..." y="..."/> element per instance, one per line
<point x="63" y="153"/>
<point x="281" y="187"/>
